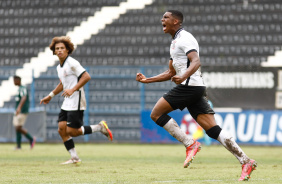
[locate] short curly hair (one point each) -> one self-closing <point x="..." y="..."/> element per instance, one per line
<point x="177" y="14"/>
<point x="62" y="39"/>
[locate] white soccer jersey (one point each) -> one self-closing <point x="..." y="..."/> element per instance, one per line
<point x="68" y="74"/>
<point x="183" y="43"/>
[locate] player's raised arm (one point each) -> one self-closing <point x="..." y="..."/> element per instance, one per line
<point x="56" y="91"/>
<point x="166" y="75"/>
<point x="195" y="63"/>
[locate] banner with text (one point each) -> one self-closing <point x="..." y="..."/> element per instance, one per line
<point x="247" y="127"/>
<point x="248" y="87"/>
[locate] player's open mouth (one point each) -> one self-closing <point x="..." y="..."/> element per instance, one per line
<point x="164" y="27"/>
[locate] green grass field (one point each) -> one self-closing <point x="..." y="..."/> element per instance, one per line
<point x="134" y="163"/>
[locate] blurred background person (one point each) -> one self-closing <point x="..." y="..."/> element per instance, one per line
<point x="21" y="113"/>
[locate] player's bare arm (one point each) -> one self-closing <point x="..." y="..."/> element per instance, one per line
<point x="194" y="66"/>
<point x="56" y="91"/>
<point x="166" y="75"/>
<point x="82" y="81"/>
<point x="19" y="108"/>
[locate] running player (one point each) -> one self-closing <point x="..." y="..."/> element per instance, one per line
<point x="72" y="79"/>
<point x="184" y="70"/>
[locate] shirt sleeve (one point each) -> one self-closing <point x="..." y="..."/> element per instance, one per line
<point x="188" y="45"/>
<point x="76" y="68"/>
<point x="23" y="91"/>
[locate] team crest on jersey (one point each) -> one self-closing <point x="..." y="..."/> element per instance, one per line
<point x="173" y="44"/>
<point x="65" y="72"/>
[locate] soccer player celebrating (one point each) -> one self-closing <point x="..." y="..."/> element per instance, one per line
<point x="72" y="79"/>
<point x="184" y="71"/>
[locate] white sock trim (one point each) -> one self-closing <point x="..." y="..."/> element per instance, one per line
<point x="82" y="129"/>
<point x="96" y="128"/>
<point x="73" y="153"/>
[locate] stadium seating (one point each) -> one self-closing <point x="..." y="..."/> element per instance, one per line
<point x="228" y="31"/>
<point x="28" y="25"/>
<point x="228" y="34"/>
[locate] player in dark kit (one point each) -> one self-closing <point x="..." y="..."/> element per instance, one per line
<point x="21" y="113"/>
<point x="184" y="70"/>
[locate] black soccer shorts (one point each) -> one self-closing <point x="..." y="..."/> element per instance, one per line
<point x="191" y="97"/>
<point x="74" y="119"/>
